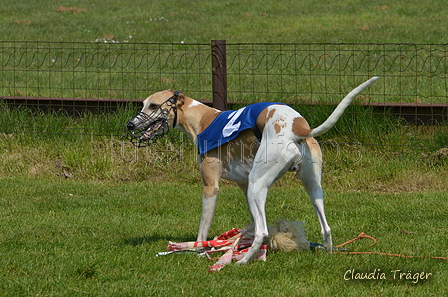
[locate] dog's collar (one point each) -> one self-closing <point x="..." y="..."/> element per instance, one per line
<point x="174" y="107"/>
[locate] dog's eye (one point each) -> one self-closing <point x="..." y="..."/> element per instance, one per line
<point x="153" y="106"/>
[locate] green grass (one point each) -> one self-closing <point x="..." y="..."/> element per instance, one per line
<point x="76" y="238"/>
<point x="236" y="21"/>
<point x="90" y="146"/>
<point x="84" y="212"/>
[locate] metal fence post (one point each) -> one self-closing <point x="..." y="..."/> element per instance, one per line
<point x="219" y="76"/>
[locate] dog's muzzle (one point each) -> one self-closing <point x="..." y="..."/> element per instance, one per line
<point x="145" y="129"/>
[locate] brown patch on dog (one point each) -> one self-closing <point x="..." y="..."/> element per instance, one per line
<point x="300" y="127"/>
<point x="199" y="111"/>
<point x="270" y="114"/>
<point x="277" y="128"/>
<point x="180" y="99"/>
<point x="209" y="192"/>
<point x="211" y="170"/>
<point x="263" y="117"/>
<point x="279" y="125"/>
<point x="207" y="118"/>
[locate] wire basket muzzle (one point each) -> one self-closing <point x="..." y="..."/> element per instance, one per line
<point x="146" y="129"/>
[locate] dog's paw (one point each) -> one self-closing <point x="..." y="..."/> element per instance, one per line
<point x="242" y="262"/>
<point x="328" y="249"/>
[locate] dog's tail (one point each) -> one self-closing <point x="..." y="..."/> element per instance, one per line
<point x="334" y="117"/>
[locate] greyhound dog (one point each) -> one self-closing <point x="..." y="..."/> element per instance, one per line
<point x="276" y="139"/>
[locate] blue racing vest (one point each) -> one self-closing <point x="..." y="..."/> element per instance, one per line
<point x="228" y="125"/>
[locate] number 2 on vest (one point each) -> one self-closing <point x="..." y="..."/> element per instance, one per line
<point x="231" y="127"/>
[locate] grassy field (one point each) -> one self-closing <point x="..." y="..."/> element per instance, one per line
<point x="72" y="238"/>
<point x="84" y="213"/>
<point x="403" y="21"/>
<point x="90" y="146"/>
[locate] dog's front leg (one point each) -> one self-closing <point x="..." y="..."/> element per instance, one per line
<point x="208" y="209"/>
<point x="211" y="173"/>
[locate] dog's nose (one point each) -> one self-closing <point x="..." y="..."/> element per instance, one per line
<point x="130" y="126"/>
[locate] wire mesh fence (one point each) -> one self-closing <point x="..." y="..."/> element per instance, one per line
<point x="105" y="76"/>
<point x="411" y="73"/>
<point x="100" y="71"/>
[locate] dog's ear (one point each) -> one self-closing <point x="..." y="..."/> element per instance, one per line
<point x="180" y="99"/>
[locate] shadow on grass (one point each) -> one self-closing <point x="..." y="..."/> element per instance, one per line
<point x="135" y="241"/>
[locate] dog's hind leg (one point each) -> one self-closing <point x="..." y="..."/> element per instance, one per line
<point x="310" y="172"/>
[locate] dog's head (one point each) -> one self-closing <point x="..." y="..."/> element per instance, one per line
<point x="158" y="114"/>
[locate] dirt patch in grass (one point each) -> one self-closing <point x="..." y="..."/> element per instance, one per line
<point x="417" y="181"/>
